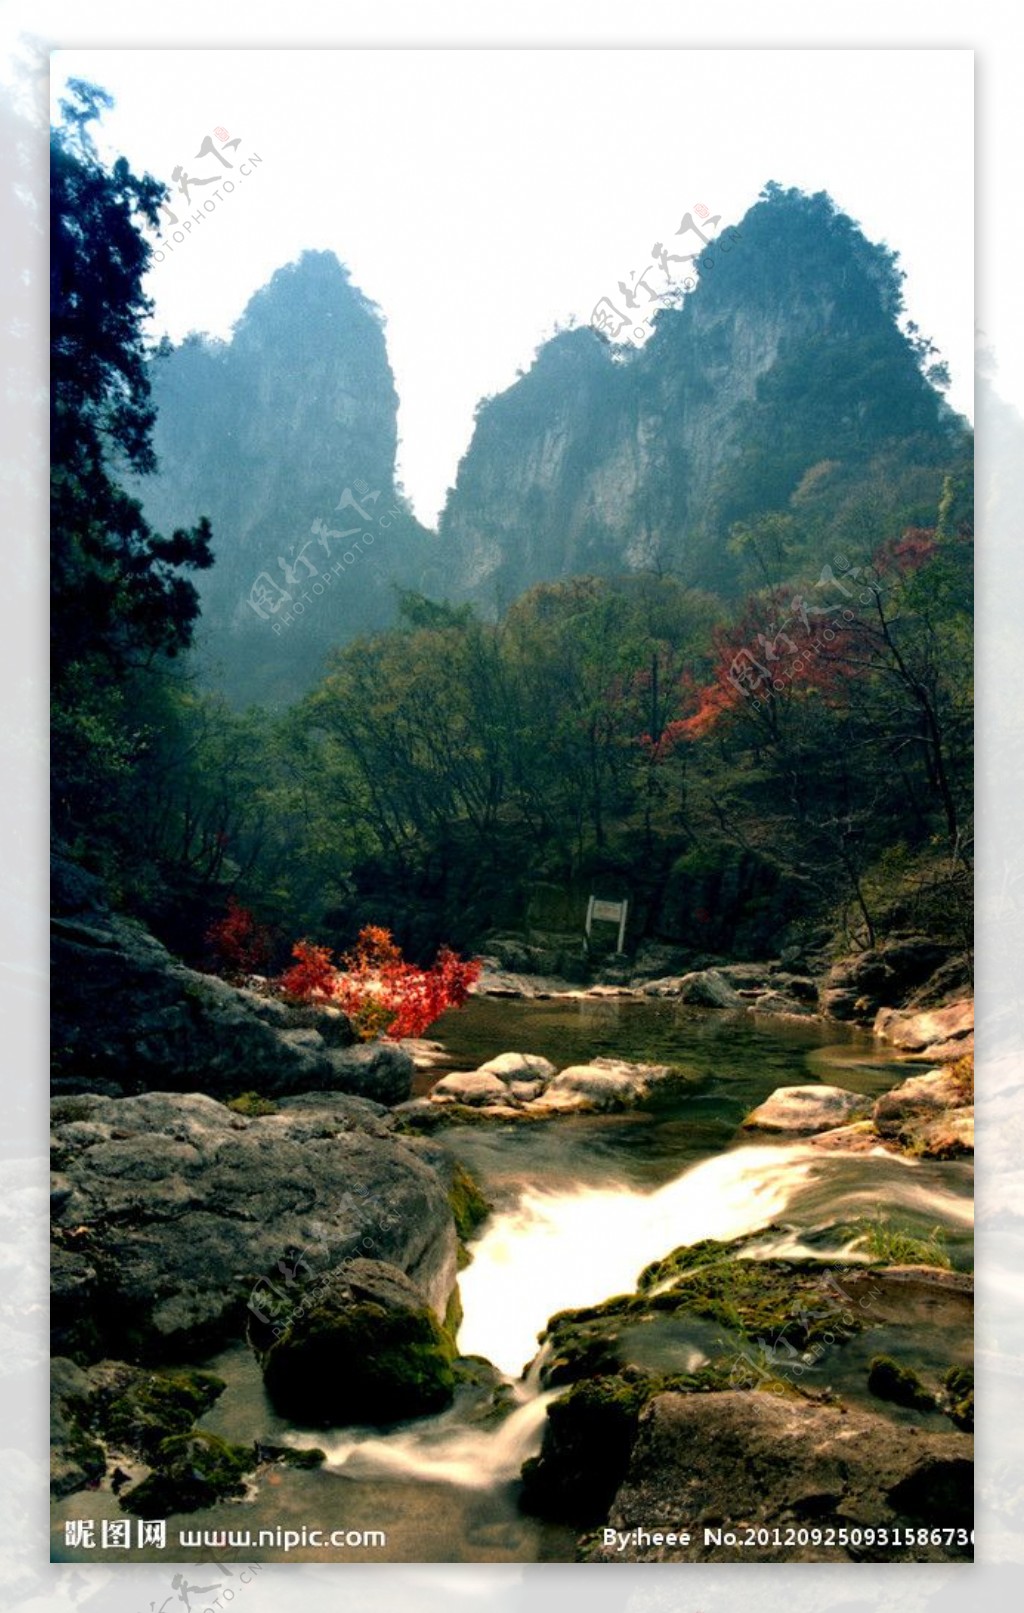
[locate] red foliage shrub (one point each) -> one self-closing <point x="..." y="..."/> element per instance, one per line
<point x="380" y="992"/>
<point x="312" y="977"/>
<point x="240" y="944"/>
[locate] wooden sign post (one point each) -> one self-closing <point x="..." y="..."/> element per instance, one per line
<point x="611" y="912"/>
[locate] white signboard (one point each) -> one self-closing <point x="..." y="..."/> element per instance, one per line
<point x="612" y="912"/>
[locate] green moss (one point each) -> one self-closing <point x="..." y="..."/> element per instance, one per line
<point x="688" y="1257"/>
<point x="959" y="1386"/>
<point x="469" y="1207"/>
<point x="889" y="1381"/>
<point x="158" y="1407"/>
<point x="252" y="1105"/>
<point x="192" y="1471"/>
<point x="362" y="1363"/>
<point x="452" y="1319"/>
<point x="587" y="1444"/>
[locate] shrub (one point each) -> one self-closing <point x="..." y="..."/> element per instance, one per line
<point x="377" y="989"/>
<point x="241" y="946"/>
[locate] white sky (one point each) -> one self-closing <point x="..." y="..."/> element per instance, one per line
<point x="481" y="196"/>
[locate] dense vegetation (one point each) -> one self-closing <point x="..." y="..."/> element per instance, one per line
<point x="786" y="759"/>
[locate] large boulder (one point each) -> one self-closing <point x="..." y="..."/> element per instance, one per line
<point x="930" y="1115"/>
<point x="368" y="1349"/>
<point x="801" y="1110"/>
<point x="175" y="1219"/>
<point x="606" y="1084"/>
<point x="857" y="986"/>
<point x="517" y="1067"/>
<point x="76" y="1456"/>
<point x="703" y="988"/>
<point x="475" y="1087"/>
<point x="735" y="1461"/>
<point x="917" y="1033"/>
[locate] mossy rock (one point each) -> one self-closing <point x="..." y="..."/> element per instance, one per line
<point x="192" y="1472"/>
<point x="887" y="1380"/>
<point x="751" y="1298"/>
<point x="588" y="1439"/>
<point x="369" y="1351"/>
<point x="453" y="1318"/>
<point x="152" y="1410"/>
<point x="959" y="1386"/>
<point x="469" y="1206"/>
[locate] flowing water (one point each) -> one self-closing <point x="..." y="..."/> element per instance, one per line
<point x="581" y="1205"/>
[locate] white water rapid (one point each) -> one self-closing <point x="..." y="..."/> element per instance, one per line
<point x="556" y="1251"/>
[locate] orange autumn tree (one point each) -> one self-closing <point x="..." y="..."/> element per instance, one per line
<point x="783" y="640"/>
<point x="380" y="992"/>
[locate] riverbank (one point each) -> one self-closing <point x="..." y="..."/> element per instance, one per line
<point x="196" y="1235"/>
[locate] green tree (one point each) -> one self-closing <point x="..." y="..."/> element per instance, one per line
<point x="120" y="604"/>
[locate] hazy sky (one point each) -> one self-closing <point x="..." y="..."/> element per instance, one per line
<point x="479" y="197"/>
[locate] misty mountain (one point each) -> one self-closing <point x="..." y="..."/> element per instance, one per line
<point x="285" y="436"/>
<point x="782" y="385"/>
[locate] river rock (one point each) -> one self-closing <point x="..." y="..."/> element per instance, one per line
<point x="777" y="1002"/>
<point x="804" y="1109"/>
<point x="735" y="1460"/>
<point x="76" y="1457"/>
<point x="932" y="1114"/>
<point x="177" y="1218"/>
<point x="884" y="974"/>
<point x="604" y="1084"/>
<point x="704" y="988"/>
<point x="913" y="1033"/>
<point x="475" y="1087"/>
<point x="367" y="1349"/>
<point x="510" y="1067"/>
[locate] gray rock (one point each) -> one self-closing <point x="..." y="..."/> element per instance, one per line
<point x="127" y="1017"/>
<point x="805" y="1109"/>
<point x="704" y="988"/>
<point x="775" y="1002"/>
<point x="511" y="1067"/>
<point x="604" y="1084"/>
<point x="75" y="1457"/>
<point x="914" y="1033"/>
<point x="125" y="1011"/>
<point x="840" y="1002"/>
<point x="475" y="1087"/>
<point x="183" y="1218"/>
<point x="735" y="1460"/>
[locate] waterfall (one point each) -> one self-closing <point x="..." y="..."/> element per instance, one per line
<point x="557" y="1251"/>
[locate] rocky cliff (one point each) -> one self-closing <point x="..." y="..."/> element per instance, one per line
<point x="285" y="436"/>
<point x="781" y="382"/>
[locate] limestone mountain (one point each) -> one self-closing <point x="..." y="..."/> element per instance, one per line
<point x="778" y="414"/>
<point x="285" y="436"/>
<point x="781" y="383"/>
